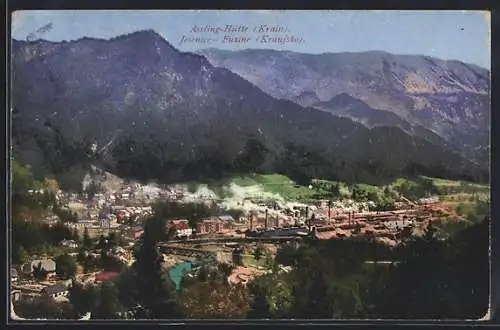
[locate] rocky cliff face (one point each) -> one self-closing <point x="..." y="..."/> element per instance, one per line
<point x="450" y="98"/>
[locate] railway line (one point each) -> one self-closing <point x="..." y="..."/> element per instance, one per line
<point x="175" y="248"/>
<point x="187" y="252"/>
<point x="270" y="239"/>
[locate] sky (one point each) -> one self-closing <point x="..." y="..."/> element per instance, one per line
<point x="448" y="35"/>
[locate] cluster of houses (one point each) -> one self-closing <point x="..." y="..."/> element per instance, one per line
<point x="132" y="193"/>
<point x="113" y="217"/>
<point x="115" y="214"/>
<point x="123" y="255"/>
<point x="24" y="284"/>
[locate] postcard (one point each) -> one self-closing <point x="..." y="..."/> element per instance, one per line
<point x="265" y="164"/>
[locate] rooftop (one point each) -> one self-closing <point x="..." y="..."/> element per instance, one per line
<point x="47" y="264"/>
<point x="243" y="274"/>
<point x="106" y="276"/>
<point x="54" y="289"/>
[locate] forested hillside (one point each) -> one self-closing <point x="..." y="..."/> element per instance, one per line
<point x="151" y="112"/>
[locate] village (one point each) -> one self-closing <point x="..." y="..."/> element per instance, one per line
<point x="261" y="225"/>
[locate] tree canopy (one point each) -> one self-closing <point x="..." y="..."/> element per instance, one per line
<point x="65" y="266"/>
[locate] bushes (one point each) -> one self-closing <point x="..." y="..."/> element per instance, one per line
<point x="38" y="238"/>
<point x="65" y="266"/>
<point x="43" y="308"/>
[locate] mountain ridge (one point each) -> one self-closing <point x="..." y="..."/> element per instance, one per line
<point x="374" y="51"/>
<point x="172" y="116"/>
<point x="448" y="97"/>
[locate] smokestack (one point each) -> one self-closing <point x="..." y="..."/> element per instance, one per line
<point x="329" y="212"/>
<point x="251" y="220"/>
<point x="313" y="218"/>
<point x="265" y="223"/>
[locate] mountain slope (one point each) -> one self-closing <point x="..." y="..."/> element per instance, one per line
<point x="153" y="112"/>
<point x="448" y="97"/>
<point x="307" y="99"/>
<point x="345" y="105"/>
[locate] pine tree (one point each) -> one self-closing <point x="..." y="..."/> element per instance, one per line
<point x="336" y="190"/>
<point x="258" y="252"/>
<point x="109" y="306"/>
<point x="84" y="298"/>
<point x="87" y="241"/>
<point x="19" y="254"/>
<point x="39" y="272"/>
<point x="237" y="256"/>
<point x="155" y="288"/>
<point x="65" y="266"/>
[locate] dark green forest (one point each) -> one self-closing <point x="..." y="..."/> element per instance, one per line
<point x="50" y="151"/>
<point x="230" y="126"/>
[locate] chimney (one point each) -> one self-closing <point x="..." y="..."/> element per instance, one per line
<point x="251" y="221"/>
<point x="314" y="231"/>
<point x="265" y="223"/>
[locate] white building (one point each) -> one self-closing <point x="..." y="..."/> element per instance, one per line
<point x="429" y="200"/>
<point x="185" y="232"/>
<point x="69" y="244"/>
<point x="13" y="275"/>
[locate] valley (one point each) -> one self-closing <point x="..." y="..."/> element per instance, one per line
<point x="153" y="179"/>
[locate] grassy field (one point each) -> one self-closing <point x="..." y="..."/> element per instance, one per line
<point x="249" y="261"/>
<point x="247" y="180"/>
<point x="443" y="182"/>
<point x="460" y="192"/>
<point x="453" y="183"/>
<point x="368" y="188"/>
<point x="458" y="187"/>
<point x="404" y="181"/>
<point x="277" y="184"/>
<point x="343" y="188"/>
<point x="282" y="185"/>
<point x="464" y="197"/>
<point x="449" y="190"/>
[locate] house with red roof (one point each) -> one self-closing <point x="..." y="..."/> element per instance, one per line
<point x="181" y="227"/>
<point x="106" y="276"/>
